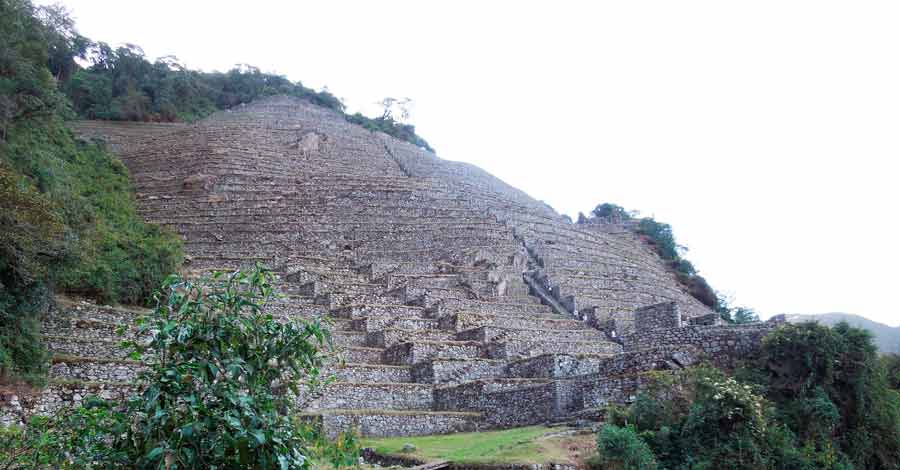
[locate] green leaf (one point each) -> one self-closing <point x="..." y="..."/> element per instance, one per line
<point x="259" y="436"/>
<point x="234" y="423"/>
<point x="155" y="453"/>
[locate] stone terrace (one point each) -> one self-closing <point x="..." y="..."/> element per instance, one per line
<point x="457" y="301"/>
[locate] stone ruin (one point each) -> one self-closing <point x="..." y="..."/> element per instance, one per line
<point x="457" y="301"/>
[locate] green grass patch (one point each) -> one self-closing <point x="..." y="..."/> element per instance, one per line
<point x="526" y="445"/>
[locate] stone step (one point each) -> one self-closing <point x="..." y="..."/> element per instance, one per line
<point x="314" y="288"/>
<point x="431" y="296"/>
<point x="446" y="370"/>
<point x="451" y="306"/>
<point x="370" y="311"/>
<point x="339" y="324"/>
<point x="87" y="329"/>
<point x="466" y="320"/>
<point x="389" y="423"/>
<point x="557" y="366"/>
<point x="345" y="339"/>
<point x="412" y="353"/>
<point x="352" y="372"/>
<point x="94" y="369"/>
<point x="59" y="394"/>
<point x="71" y="308"/>
<point x="73" y="346"/>
<point x="386" y="396"/>
<point x="508" y="403"/>
<point x="360" y="355"/>
<point x="340" y="299"/>
<point x="290" y="309"/>
<point x="377" y="323"/>
<point x="388" y="337"/>
<point x="515" y="348"/>
<point x="495" y="333"/>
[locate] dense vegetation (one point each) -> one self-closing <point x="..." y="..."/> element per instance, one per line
<point x="68" y="218"/>
<point x="219" y="390"/>
<point x="122" y="84"/>
<point x="660" y="236"/>
<point x="816" y="397"/>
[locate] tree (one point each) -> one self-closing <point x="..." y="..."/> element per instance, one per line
<point x="745" y="315"/>
<point x="611" y="212"/>
<point x="63" y="41"/>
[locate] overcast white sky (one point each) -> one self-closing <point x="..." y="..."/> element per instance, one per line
<point x="767" y="133"/>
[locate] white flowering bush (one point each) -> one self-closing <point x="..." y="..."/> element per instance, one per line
<point x="734" y="404"/>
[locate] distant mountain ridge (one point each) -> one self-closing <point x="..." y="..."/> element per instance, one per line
<point x="887" y="338"/>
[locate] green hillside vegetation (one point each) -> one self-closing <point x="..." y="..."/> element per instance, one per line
<point x="815" y="398"/>
<point x="67" y="212"/>
<point x="122" y="84"/>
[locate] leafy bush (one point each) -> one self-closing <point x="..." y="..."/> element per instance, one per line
<point x="109" y="252"/>
<point x="620" y="448"/>
<point x="222" y="376"/>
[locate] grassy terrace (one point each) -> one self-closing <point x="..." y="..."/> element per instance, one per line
<point x="529" y="445"/>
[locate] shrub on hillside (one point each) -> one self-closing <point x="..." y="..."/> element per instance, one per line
<point x="611" y="212"/>
<point x="620" y="448"/>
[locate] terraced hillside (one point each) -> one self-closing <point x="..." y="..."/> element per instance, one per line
<point x="458" y="301"/>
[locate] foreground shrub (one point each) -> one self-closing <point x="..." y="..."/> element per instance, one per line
<point x="220" y="390"/>
<point x="223" y="376"/>
<point x="620" y="448"/>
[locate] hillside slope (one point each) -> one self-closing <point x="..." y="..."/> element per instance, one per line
<point x="458" y="302"/>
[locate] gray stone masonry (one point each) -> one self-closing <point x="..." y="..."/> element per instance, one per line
<point x="661" y="316"/>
